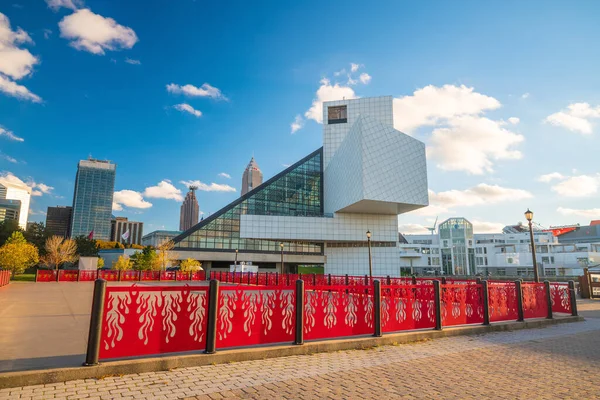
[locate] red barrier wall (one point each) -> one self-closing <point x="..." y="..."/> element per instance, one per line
<point x="502" y="297"/>
<point x="561" y="299"/>
<point x="535" y="304"/>
<point x="407" y="307"/>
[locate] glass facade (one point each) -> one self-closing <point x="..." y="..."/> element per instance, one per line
<point x="297" y="191"/>
<point x="457" y="255"/>
<point x="93" y="197"/>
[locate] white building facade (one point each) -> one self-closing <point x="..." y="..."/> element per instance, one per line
<point x="16" y="191"/>
<point x="460" y="252"/>
<point x="318" y="210"/>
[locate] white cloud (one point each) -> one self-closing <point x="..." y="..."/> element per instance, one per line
<point x="297" y="124"/>
<point x="578" y="186"/>
<point x="588" y="213"/>
<point x="551" y="176"/>
<point x="15" y="90"/>
<point x="70" y="4"/>
<point x="328" y="92"/>
<point x="481" y="194"/>
<point x="576" y="118"/>
<point x="412" y="229"/>
<point x="225" y="175"/>
<point x="213" y="187"/>
<point x="129" y="198"/>
<point x="132" y="61"/>
<point x="37" y="189"/>
<point x="15" y="62"/>
<point x="183" y="107"/>
<point x="95" y="33"/>
<point x="10" y="135"/>
<point x="205" y="90"/>
<point x="365" y="78"/>
<point x="487" y="227"/>
<point x="164" y="190"/>
<point x="514" y="120"/>
<point x="432" y="105"/>
<point x="9" y="158"/>
<point x="354" y="67"/>
<point x="525" y="95"/>
<point x="472" y="144"/>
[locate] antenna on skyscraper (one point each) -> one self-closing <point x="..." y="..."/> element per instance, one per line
<point x="193" y="188"/>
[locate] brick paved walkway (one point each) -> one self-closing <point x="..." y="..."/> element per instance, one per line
<point x="552" y="363"/>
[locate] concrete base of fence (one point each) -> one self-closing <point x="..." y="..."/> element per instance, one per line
<point x="141" y="365"/>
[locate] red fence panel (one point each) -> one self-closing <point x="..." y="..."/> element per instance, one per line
<point x="407" y="307"/>
<point x="338" y="311"/>
<point x="561" y="299"/>
<point x="129" y="276"/>
<point x="109" y="275"/>
<point x="167" y="276"/>
<point x="87" y="275"/>
<point x="67" y="275"/>
<point x="250" y="316"/>
<point x="4" y="278"/>
<point x="150" y="275"/>
<point x="46" y="275"/>
<point x="145" y="320"/>
<point x="462" y="304"/>
<point x="535" y="304"/>
<point x="502" y="297"/>
<point x="182" y="276"/>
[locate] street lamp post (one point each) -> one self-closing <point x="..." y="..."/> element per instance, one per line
<point x="282" y="266"/>
<point x="529" y="217"/>
<point x="370" y="259"/>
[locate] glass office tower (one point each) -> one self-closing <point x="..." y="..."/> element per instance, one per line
<point x="93" y="197"/>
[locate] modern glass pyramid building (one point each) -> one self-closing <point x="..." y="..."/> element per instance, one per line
<point x="295" y="192"/>
<point x="364" y="176"/>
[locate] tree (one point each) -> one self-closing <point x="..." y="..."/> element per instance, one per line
<point x="190" y="265"/>
<point x="146" y="260"/>
<point x="16" y="255"/>
<point x="37" y="234"/>
<point x="86" y="247"/>
<point x="100" y="262"/>
<point x="104" y="245"/>
<point x="165" y="256"/>
<point x="59" y="251"/>
<point x="136" y="246"/>
<point x="7" y="227"/>
<point x="122" y="264"/>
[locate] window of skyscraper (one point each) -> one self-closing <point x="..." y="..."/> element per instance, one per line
<point x="337" y="115"/>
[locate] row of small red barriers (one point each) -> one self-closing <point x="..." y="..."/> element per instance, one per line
<point x="132" y="321"/>
<point x="65" y="275"/>
<point x="4" y="277"/>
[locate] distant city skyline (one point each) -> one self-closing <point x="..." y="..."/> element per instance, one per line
<point x="252" y="176"/>
<point x="510" y="120"/>
<point x="190" y="210"/>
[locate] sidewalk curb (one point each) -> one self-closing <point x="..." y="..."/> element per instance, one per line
<point x="135" y="366"/>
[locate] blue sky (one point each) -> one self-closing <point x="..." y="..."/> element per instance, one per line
<point x="503" y="94"/>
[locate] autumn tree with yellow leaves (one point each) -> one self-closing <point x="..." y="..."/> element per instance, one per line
<point x="16" y="255"/>
<point x="59" y="251"/>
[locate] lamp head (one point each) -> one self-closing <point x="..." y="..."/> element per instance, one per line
<point x="281" y="245"/>
<point x="529" y="215"/>
<point x="369" y="234"/>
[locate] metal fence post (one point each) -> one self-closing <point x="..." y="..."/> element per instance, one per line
<point x="443" y="280"/>
<point x="57" y="275"/>
<point x="257" y="278"/>
<point x="414" y="280"/>
<point x="389" y="280"/>
<point x="486" y="302"/>
<point x="377" y="304"/>
<point x="548" y="298"/>
<point x="277" y="278"/>
<point x="438" y="305"/>
<point x="366" y="279"/>
<point x="329" y="279"/>
<point x="36" y="274"/>
<point x="119" y="278"/>
<point x="93" y="347"/>
<point x="346" y="279"/>
<point x="139" y="276"/>
<point x="314" y="279"/>
<point x="299" y="337"/>
<point x="519" y="300"/>
<point x="78" y="271"/>
<point x="213" y="305"/>
<point x="573" y="298"/>
<point x="478" y="280"/>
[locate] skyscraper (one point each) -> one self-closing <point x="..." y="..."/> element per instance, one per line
<point x="189" y="210"/>
<point x="10" y="209"/>
<point x="93" y="197"/>
<point x="252" y="177"/>
<point x="58" y="220"/>
<point x="11" y="190"/>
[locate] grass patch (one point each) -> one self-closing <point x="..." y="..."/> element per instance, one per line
<point x="24" y="278"/>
